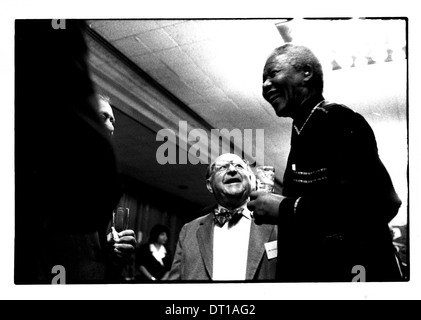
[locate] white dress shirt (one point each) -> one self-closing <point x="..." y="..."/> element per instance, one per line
<point x="159" y="254"/>
<point x="230" y="249"/>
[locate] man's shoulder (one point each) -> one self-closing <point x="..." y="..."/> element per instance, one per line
<point x="333" y="108"/>
<point x="341" y="113"/>
<point x="198" y="220"/>
<point x="343" y="119"/>
<point x="202" y="215"/>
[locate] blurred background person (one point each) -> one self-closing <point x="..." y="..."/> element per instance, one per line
<point x="122" y="243"/>
<point x="153" y="259"/>
<point x="67" y="176"/>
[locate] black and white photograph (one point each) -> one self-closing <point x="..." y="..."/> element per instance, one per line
<point x="229" y="153"/>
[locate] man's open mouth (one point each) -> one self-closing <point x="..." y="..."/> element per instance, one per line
<point x="232" y="180"/>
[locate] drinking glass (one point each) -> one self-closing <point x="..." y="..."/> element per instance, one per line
<point x="265" y="178"/>
<point x="121" y="219"/>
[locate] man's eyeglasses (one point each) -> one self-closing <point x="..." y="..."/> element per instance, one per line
<point x="225" y="165"/>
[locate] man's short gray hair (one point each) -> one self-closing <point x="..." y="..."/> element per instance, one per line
<point x="299" y="57"/>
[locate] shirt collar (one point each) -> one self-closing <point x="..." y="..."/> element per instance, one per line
<point x="153" y="249"/>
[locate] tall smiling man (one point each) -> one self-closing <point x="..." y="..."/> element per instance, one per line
<point x="225" y="244"/>
<point x="337" y="197"/>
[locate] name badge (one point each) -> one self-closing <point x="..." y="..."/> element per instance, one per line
<point x="271" y="249"/>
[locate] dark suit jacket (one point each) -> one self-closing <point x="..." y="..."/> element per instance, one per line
<point x="194" y="254"/>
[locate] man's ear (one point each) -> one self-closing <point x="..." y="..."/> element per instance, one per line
<point x="209" y="185"/>
<point x="308" y="72"/>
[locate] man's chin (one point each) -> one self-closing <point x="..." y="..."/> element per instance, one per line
<point x="237" y="192"/>
<point x="281" y="109"/>
<point x="232" y="202"/>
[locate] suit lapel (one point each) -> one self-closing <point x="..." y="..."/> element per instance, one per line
<point x="259" y="235"/>
<point x="205" y="241"/>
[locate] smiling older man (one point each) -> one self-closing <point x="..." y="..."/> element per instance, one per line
<point x="225" y="244"/>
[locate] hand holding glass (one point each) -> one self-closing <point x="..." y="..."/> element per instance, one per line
<point x="120" y="220"/>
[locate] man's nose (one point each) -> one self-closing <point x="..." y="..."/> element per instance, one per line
<point x="110" y="128"/>
<point x="232" y="168"/>
<point x="267" y="83"/>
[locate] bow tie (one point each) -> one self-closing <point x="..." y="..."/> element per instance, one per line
<point x="222" y="215"/>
